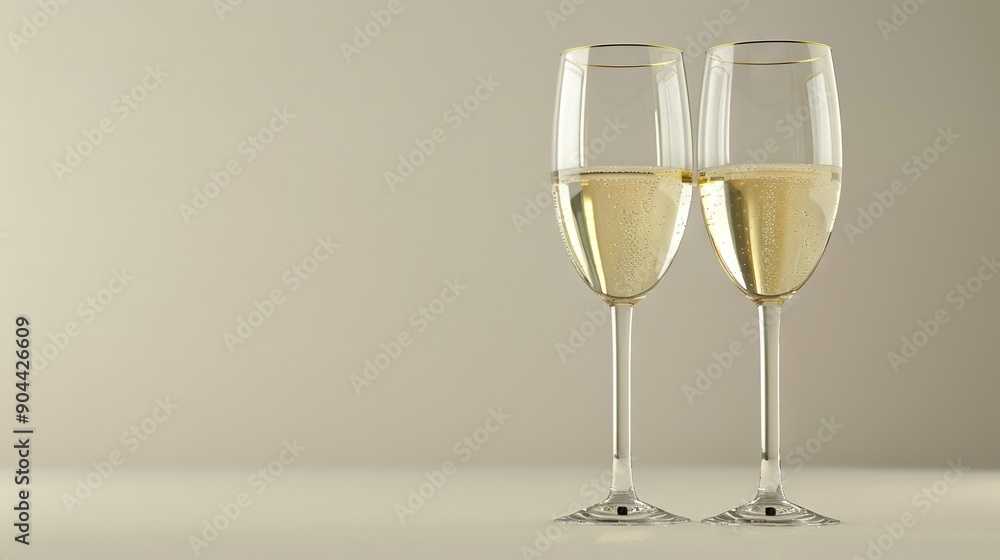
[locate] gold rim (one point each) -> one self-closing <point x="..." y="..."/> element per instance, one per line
<point x="646" y="45"/>
<point x="737" y="43"/>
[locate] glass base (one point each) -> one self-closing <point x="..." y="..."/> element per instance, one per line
<point x="771" y="510"/>
<point x="622" y="509"/>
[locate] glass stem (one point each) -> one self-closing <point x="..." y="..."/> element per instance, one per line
<point x="770" y="426"/>
<point x="621" y="333"/>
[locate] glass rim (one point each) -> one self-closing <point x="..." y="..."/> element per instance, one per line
<point x="710" y="50"/>
<point x="606" y="45"/>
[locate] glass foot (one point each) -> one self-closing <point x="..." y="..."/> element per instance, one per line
<point x="770" y="510"/>
<point x="622" y="509"/>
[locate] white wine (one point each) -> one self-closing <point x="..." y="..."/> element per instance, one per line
<point x="770" y="223"/>
<point x="622" y="225"/>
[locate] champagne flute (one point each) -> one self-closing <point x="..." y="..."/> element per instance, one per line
<point x="770" y="164"/>
<point x="622" y="190"/>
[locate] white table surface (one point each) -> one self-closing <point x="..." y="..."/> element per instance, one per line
<point x="485" y="513"/>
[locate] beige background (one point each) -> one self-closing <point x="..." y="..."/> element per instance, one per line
<point x="496" y="344"/>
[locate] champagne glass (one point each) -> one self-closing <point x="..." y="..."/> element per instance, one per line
<point x="770" y="164"/>
<point x="622" y="190"/>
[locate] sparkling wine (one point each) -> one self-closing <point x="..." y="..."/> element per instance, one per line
<point x="770" y="223"/>
<point x="622" y="225"/>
